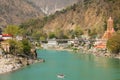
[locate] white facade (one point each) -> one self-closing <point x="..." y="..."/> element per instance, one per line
<point x="52" y="42"/>
<point x="19" y="37"/>
<point x="0" y="36"/>
<point x="6" y="37"/>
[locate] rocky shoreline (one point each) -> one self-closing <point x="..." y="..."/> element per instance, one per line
<point x="90" y="49"/>
<point x="100" y="53"/>
<point x="9" y="63"/>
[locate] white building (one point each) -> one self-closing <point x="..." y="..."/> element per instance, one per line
<point x="19" y="37"/>
<point x="52" y="42"/>
<point x="0" y="36"/>
<point x="6" y="36"/>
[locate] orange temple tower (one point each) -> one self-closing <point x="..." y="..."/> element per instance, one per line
<point x="108" y="34"/>
<point x="110" y="30"/>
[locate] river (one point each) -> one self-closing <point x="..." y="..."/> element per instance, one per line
<point x="75" y="66"/>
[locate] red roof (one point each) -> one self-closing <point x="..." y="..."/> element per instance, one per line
<point x="6" y="35"/>
<point x="101" y="45"/>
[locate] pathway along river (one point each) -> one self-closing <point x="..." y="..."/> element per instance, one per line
<point x="73" y="66"/>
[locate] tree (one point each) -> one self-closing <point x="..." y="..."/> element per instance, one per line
<point x="26" y="47"/>
<point x="70" y="34"/>
<point x="36" y="35"/>
<point x="16" y="47"/>
<point x="20" y="47"/>
<point x="113" y="44"/>
<point x="13" y="30"/>
<point x="78" y="31"/>
<point x="42" y="38"/>
<point x="52" y="35"/>
<point x="59" y="33"/>
<point x="92" y="33"/>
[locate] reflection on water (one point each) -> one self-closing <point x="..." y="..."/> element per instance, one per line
<point x="75" y="66"/>
<point x="100" y="61"/>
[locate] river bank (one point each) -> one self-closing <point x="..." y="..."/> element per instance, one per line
<point x="9" y="63"/>
<point x="100" y="53"/>
<point x="92" y="50"/>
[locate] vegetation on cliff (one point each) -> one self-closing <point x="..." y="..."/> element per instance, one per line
<point x="89" y="15"/>
<point x="13" y="30"/>
<point x="18" y="47"/>
<point x="86" y="17"/>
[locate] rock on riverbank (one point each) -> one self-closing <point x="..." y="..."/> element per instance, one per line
<point x="98" y="52"/>
<point x="10" y="63"/>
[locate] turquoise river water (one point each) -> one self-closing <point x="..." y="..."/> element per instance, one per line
<point x="75" y="66"/>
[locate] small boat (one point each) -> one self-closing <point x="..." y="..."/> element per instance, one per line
<point x="60" y="76"/>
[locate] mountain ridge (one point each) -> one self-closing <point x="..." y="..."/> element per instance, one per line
<point x="16" y="11"/>
<point x="51" y="6"/>
<point x="89" y="15"/>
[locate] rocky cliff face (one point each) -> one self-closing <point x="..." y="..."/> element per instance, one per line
<point x="17" y="11"/>
<point x="88" y="15"/>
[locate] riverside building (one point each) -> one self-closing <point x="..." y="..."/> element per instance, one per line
<point x="101" y="43"/>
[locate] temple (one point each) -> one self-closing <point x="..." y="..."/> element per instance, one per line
<point x="108" y="34"/>
<point x="110" y="30"/>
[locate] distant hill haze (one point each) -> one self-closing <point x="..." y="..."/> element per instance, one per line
<point x="50" y="6"/>
<point x="17" y="11"/>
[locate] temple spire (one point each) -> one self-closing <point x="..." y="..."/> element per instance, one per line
<point x="110" y="29"/>
<point x="108" y="34"/>
<point x="110" y="24"/>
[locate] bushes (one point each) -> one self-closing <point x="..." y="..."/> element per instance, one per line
<point x="113" y="44"/>
<point x="26" y="47"/>
<point x="92" y="33"/>
<point x="19" y="47"/>
<point x="52" y="35"/>
<point x="13" y="30"/>
<point x="16" y="47"/>
<point x="78" y="31"/>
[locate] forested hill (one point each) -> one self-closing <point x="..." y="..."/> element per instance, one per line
<point x="87" y="16"/>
